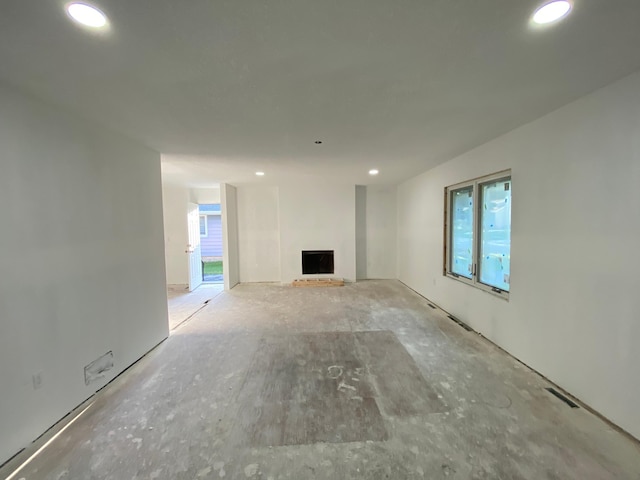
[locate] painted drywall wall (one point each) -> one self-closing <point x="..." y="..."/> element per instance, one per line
<point x="573" y="309"/>
<point x="176" y="237"/>
<point x="258" y="234"/>
<point x="317" y="216"/>
<point x="380" y="231"/>
<point x="376" y="232"/>
<point x="93" y="283"/>
<point x="231" y="262"/>
<point x="204" y="195"/>
<point x="361" y="232"/>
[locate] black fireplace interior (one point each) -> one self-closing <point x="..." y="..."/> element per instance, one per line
<point x="317" y="261"/>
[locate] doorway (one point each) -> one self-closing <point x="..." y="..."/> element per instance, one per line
<point x="210" y="220"/>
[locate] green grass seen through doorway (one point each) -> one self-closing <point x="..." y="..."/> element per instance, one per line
<point x="213" y="268"/>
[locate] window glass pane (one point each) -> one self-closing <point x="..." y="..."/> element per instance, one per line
<point x="461" y="260"/>
<point x="203" y="225"/>
<point x="495" y="234"/>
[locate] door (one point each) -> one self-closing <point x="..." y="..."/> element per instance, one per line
<point x="193" y="248"/>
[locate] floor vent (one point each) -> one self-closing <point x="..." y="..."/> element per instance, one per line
<point x="463" y="325"/>
<point x="432" y="306"/>
<point x="556" y="393"/>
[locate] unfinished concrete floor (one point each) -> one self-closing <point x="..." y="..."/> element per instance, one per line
<point x="362" y="381"/>
<point x="183" y="303"/>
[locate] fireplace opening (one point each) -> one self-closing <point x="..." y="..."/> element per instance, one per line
<point x="317" y="261"/>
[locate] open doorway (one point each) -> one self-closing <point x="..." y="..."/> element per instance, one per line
<point x="183" y="250"/>
<point x="210" y="217"/>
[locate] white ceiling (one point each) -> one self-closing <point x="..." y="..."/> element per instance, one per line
<point x="226" y="87"/>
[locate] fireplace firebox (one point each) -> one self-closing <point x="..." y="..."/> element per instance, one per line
<point x="317" y="261"/>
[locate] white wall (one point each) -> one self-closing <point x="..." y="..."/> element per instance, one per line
<point x="231" y="262"/>
<point x="361" y="232"/>
<point x="276" y="223"/>
<point x="376" y="232"/>
<point x="258" y="234"/>
<point x="574" y="305"/>
<point x="204" y="196"/>
<point x="381" y="219"/>
<point x="317" y="216"/>
<point x="81" y="261"/>
<point x="176" y="233"/>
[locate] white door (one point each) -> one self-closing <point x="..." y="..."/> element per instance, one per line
<point x="193" y="248"/>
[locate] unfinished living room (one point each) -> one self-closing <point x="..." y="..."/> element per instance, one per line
<point x="422" y="219"/>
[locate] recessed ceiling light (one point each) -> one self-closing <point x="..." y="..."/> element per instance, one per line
<point x="87" y="15"/>
<point x="373" y="172"/>
<point x="260" y="174"/>
<point x="552" y="11"/>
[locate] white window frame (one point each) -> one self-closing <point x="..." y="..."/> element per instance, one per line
<point x="476" y="185"/>
<point x="206" y="227"/>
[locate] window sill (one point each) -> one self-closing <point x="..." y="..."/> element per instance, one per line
<point x="485" y="288"/>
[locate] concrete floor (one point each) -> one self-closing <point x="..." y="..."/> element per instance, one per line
<point x="183" y="303"/>
<point x="362" y="381"/>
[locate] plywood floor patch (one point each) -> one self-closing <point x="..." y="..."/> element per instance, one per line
<point x="330" y="387"/>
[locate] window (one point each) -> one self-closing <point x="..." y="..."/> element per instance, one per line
<point x="478" y="232"/>
<point x="203" y="225"/>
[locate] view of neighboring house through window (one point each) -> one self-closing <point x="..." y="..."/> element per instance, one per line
<point x="203" y="225"/>
<point x="478" y="232"/>
<point x="211" y="242"/>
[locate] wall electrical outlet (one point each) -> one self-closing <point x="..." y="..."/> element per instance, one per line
<point x="37" y="380"/>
